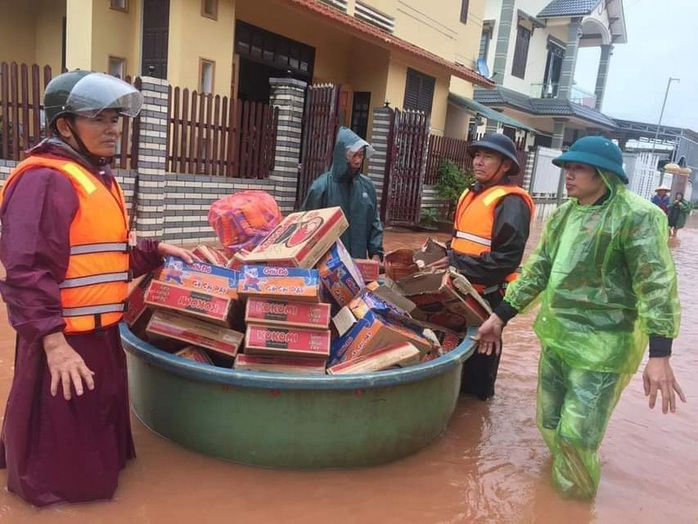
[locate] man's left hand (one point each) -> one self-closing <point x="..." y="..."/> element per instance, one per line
<point x="165" y="249"/>
<point x="658" y="376"/>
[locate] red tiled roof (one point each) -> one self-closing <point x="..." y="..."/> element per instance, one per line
<point x="373" y="34"/>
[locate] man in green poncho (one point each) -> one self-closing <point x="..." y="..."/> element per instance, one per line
<point x="608" y="285"/>
<point x="344" y="185"/>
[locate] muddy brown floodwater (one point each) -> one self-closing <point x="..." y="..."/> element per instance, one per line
<point x="489" y="466"/>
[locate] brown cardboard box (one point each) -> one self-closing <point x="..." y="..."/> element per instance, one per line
<point x="201" y="276"/>
<point x="135" y="304"/>
<point x="371" y="333"/>
<point x="296" y="342"/>
<point x="402" y="354"/>
<point x="401" y="263"/>
<point x="296" y="366"/>
<point x="446" y="298"/>
<point x="287" y="313"/>
<point x="340" y="275"/>
<point x="167" y="324"/>
<point x="196" y="354"/>
<point x="280" y="283"/>
<point x="301" y="239"/>
<point x="210" y="255"/>
<point x="206" y="306"/>
<point x="370" y="269"/>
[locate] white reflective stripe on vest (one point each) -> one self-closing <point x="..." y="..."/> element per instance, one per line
<point x="107" y="247"/>
<point x="94" y="310"/>
<point x="474" y="238"/>
<point x="94" y="279"/>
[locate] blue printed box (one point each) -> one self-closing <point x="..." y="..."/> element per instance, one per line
<point x="340" y="275"/>
<point x="200" y="276"/>
<point x="288" y="283"/>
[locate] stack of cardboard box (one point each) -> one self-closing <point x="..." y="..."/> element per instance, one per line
<point x="304" y="305"/>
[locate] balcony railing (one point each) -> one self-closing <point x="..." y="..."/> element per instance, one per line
<point x="577" y="94"/>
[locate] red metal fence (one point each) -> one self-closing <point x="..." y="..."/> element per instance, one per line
<point x="211" y="135"/>
<point x="404" y="174"/>
<point x="21" y="115"/>
<point x="456" y="151"/>
<point x="22" y="122"/>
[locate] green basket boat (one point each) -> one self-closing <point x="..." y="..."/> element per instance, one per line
<point x="291" y="421"/>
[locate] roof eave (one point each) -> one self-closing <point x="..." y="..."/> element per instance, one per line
<point x="372" y="34"/>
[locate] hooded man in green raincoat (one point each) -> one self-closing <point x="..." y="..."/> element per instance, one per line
<point x="344" y="186"/>
<point x="607" y="285"/>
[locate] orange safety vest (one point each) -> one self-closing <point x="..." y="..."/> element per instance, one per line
<point x="94" y="291"/>
<point x="475" y="221"/>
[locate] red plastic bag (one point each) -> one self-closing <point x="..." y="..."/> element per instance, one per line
<point x="243" y="219"/>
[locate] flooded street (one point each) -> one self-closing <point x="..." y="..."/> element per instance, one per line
<point x="490" y="466"/>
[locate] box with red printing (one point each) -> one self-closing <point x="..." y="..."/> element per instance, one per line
<point x="287" y="313"/>
<point x="196" y="354"/>
<point x="212" y="308"/>
<point x="135" y="304"/>
<point x="401" y="354"/>
<point x="373" y="332"/>
<point x="201" y="276"/>
<point x="210" y="254"/>
<point x="370" y="269"/>
<point x="446" y="298"/>
<point x="273" y="340"/>
<point x="292" y="365"/>
<point x="339" y="275"/>
<point x="285" y="283"/>
<point x="172" y="325"/>
<point x="301" y="239"/>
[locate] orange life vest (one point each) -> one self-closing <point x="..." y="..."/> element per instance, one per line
<point x="475" y="221"/>
<point x="94" y="291"/>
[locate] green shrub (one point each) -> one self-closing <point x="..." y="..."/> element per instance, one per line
<point x="451" y="182"/>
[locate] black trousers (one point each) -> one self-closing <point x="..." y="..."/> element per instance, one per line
<point x="480" y="370"/>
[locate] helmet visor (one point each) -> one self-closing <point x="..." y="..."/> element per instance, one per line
<point x="96" y="92"/>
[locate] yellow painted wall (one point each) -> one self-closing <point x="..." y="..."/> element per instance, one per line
<point x="79" y="32"/>
<point x="433" y="25"/>
<point x="116" y="33"/>
<point x="457" y="120"/>
<point x="193" y="37"/>
<point x="387" y="7"/>
<point x="49" y="27"/>
<point x="17" y="28"/>
<point x="371" y="76"/>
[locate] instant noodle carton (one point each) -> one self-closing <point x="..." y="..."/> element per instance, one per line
<point x="401" y="354"/>
<point x="446" y="298"/>
<point x="292" y="365"/>
<point x="285" y="283"/>
<point x="206" y="306"/>
<point x="196" y="354"/>
<point x="210" y="254"/>
<point x="201" y="276"/>
<point x="136" y="307"/>
<point x="287" y="313"/>
<point x="278" y="341"/>
<point x="167" y="324"/>
<point x="301" y="239"/>
<point x="370" y="269"/>
<point x="370" y="333"/>
<point x="339" y="274"/>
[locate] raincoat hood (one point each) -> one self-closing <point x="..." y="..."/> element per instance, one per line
<point x="347" y="144"/>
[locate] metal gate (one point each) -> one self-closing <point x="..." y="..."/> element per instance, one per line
<point x="405" y="168"/>
<point x="320" y="121"/>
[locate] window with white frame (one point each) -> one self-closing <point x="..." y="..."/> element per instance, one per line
<point x="207" y="69"/>
<point x="209" y="9"/>
<point x="119" y="5"/>
<point x="117" y="67"/>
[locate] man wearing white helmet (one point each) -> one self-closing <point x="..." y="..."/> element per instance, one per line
<point x="68" y="260"/>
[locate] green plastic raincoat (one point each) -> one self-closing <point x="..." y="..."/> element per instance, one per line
<point x="355" y="194"/>
<point x="606" y="281"/>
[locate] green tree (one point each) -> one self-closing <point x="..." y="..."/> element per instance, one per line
<point x="451" y="182"/>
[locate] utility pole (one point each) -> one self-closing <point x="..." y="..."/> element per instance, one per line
<point x="659" y="124"/>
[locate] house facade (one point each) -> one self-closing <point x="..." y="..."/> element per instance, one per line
<point x="407" y="53"/>
<point x="531" y="47"/>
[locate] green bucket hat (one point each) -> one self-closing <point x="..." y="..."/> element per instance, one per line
<point x="595" y="151"/>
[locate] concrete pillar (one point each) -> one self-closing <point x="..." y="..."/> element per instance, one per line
<point x="569" y="63"/>
<point x="602" y="74"/>
<point x="288" y="95"/>
<point x="506" y="18"/>
<point x="558" y="139"/>
<point x="152" y="158"/>
<point x="379" y="140"/>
